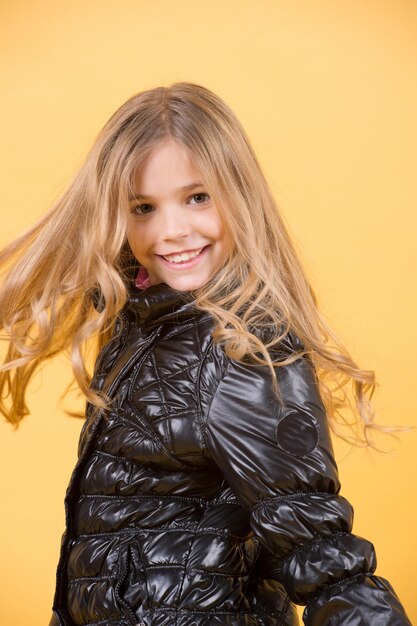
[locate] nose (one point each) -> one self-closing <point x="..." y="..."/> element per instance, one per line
<point x="173" y="224"/>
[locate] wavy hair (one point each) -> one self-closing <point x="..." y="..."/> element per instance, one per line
<point x="80" y="246"/>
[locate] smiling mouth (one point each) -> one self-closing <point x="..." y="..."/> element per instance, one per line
<point x="183" y="257"/>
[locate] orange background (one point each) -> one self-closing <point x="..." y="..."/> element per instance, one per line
<point x="327" y="93"/>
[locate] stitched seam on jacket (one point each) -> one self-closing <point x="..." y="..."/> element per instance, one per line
<point x="192" y="570"/>
<point x="145" y="426"/>
<point x="76" y="579"/>
<point x="213" y="612"/>
<point x="183" y="413"/>
<point x="207" y="504"/>
<point x="101" y="496"/>
<point x="132" y="463"/>
<point x="318" y="539"/>
<point x="104" y="622"/>
<point x="207" y="530"/>
<point x="199" y="410"/>
<point x="163" y="336"/>
<point x="348" y="579"/>
<point x="92" y="423"/>
<point x="168" y="376"/>
<point x="197" y="338"/>
<point x="180" y="327"/>
<point x="187" y="558"/>
<point x="291" y="496"/>
<point x="203" y="424"/>
<point x="167" y="436"/>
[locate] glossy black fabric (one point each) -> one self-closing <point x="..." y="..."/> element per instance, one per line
<point x="198" y="500"/>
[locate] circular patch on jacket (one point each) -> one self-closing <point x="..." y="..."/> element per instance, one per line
<point x="297" y="434"/>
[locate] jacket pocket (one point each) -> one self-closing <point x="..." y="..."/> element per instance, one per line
<point x="130" y="588"/>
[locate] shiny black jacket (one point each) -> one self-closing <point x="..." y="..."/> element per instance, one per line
<point x="198" y="500"/>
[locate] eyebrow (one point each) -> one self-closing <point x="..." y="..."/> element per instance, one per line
<point x="138" y="196"/>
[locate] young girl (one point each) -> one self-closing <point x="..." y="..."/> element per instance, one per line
<point x="206" y="490"/>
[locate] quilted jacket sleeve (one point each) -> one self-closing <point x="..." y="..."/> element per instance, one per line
<point x="279" y="462"/>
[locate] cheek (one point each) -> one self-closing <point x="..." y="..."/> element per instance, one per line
<point x="216" y="227"/>
<point x="220" y="233"/>
<point x="137" y="238"/>
<point x="137" y="247"/>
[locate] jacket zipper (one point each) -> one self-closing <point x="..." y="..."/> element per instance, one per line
<point x="65" y="543"/>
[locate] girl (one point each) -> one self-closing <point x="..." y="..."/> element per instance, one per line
<point x="206" y="490"/>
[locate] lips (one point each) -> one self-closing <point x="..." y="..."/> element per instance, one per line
<point x="183" y="265"/>
<point x="201" y="248"/>
<point x="182" y="256"/>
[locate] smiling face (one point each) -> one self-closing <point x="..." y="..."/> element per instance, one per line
<point x="174" y="229"/>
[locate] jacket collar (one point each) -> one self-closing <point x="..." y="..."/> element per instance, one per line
<point x="159" y="304"/>
<point x="151" y="305"/>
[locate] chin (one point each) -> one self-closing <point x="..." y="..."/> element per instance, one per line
<point x="185" y="284"/>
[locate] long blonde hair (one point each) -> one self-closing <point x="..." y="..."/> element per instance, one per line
<point x="80" y="246"/>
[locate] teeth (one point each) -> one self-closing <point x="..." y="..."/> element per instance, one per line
<point x="178" y="258"/>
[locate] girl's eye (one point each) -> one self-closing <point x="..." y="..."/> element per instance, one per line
<point x="142" y="209"/>
<point x="145" y="209"/>
<point x="200" y="195"/>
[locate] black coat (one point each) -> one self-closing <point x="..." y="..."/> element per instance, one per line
<point x="198" y="500"/>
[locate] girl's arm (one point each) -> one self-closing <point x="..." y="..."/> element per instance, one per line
<point x="280" y="464"/>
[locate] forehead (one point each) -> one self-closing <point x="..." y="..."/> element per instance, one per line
<point x="168" y="168"/>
